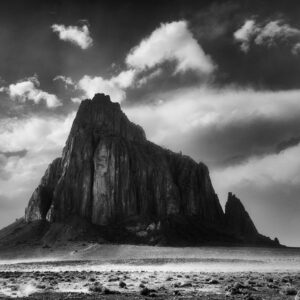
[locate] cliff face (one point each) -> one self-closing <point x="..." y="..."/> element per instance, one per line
<point x="109" y="171"/>
<point x="110" y="174"/>
<point x="42" y="197"/>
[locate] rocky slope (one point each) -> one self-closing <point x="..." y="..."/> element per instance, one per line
<point x="131" y="190"/>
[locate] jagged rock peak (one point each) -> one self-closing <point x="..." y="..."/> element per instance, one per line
<point x="109" y="175"/>
<point x="105" y="118"/>
<point x="109" y="172"/>
<point x="237" y="218"/>
<point x="234" y="201"/>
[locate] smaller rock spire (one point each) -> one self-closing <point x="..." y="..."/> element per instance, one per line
<point x="237" y="219"/>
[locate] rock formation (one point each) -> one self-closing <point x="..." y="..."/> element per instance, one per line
<point x="237" y="219"/>
<point x="239" y="223"/>
<point x="42" y="197"/>
<point x="111" y="175"/>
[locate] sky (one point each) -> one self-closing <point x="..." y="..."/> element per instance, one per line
<point x="217" y="80"/>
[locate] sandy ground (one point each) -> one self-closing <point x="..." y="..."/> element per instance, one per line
<point x="67" y="276"/>
<point x="141" y="285"/>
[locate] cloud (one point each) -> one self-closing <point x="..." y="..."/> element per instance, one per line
<point x="146" y="78"/>
<point x="237" y="133"/>
<point x="28" y="90"/>
<point x="68" y="81"/>
<point x="296" y="49"/>
<point x="269" y="34"/>
<point x="220" y="127"/>
<point x="171" y="42"/>
<point x="274" y="31"/>
<point x="114" y="87"/>
<point x="33" y="133"/>
<point x="269" y="186"/>
<point x="43" y="137"/>
<point x="245" y="33"/>
<point x="76" y="99"/>
<point x="79" y="36"/>
<point x="291" y="142"/>
<point x="20" y="153"/>
<point x="92" y="85"/>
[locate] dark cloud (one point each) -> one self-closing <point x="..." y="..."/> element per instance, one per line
<point x="262" y="67"/>
<point x="293" y="141"/>
<point x="216" y="21"/>
<point x="6" y="174"/>
<point x="220" y="145"/>
<point x="165" y="81"/>
<point x="239" y="141"/>
<point x="20" y="153"/>
<point x="224" y="128"/>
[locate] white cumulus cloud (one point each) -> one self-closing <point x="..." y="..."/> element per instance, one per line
<point x="114" y="87"/>
<point x="273" y="31"/>
<point x="68" y="81"/>
<point x="245" y="33"/>
<point x="269" y="34"/>
<point x="79" y="36"/>
<point x="28" y="90"/>
<point x="171" y="42"/>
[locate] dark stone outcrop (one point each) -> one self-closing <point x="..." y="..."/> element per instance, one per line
<point x="239" y="223"/>
<point x="109" y="175"/>
<point x="237" y="219"/>
<point x="109" y="171"/>
<point x="42" y="198"/>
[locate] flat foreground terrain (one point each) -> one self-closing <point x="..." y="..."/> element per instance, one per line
<point x="140" y="285"/>
<point x="94" y="271"/>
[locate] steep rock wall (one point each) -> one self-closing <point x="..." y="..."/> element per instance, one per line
<point x="109" y="171"/>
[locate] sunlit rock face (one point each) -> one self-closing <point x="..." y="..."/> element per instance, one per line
<point x="109" y="171"/>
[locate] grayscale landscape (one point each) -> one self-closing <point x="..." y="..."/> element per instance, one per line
<point x="149" y="149"/>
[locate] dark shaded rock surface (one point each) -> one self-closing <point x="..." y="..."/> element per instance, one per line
<point x="239" y="223"/>
<point x="133" y="190"/>
<point x="237" y="219"/>
<point x="42" y="197"/>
